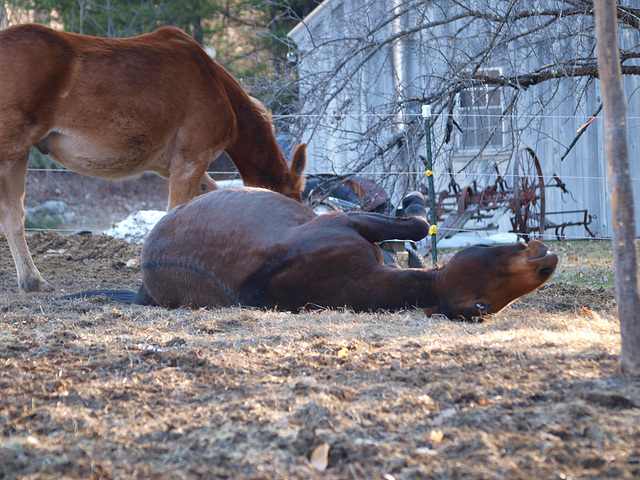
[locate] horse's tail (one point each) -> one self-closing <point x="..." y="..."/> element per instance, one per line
<point x="123" y="296"/>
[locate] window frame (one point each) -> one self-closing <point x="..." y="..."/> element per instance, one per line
<point x="486" y="107"/>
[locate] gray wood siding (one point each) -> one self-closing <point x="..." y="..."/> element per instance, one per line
<point x="548" y="134"/>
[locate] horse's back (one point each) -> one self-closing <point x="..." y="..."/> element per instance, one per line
<point x="235" y="246"/>
<point x="31" y="57"/>
<point x="46" y="40"/>
<point x="76" y="69"/>
<point x="202" y="253"/>
<point x="110" y="107"/>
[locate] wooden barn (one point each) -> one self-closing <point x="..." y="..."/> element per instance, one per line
<point x="503" y="82"/>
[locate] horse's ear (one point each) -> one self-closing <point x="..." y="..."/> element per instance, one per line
<point x="298" y="163"/>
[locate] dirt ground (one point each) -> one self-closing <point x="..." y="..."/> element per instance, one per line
<point x="96" y="204"/>
<point x="95" y="389"/>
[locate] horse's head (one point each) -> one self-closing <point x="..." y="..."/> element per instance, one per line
<point x="481" y="280"/>
<point x="295" y="180"/>
<point x="294" y="184"/>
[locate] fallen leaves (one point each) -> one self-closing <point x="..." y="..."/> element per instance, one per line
<point x="308" y="381"/>
<point x="343" y="352"/>
<point x="395" y="364"/>
<point x="132" y="263"/>
<point x="319" y="458"/>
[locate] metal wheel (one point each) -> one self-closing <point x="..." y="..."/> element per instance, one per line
<point x="321" y="208"/>
<point x="415" y="260"/>
<point x="390" y="257"/>
<point x="528" y="195"/>
<point x="464" y="200"/>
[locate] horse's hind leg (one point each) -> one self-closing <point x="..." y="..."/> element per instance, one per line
<point x="376" y="227"/>
<point x="12" y="187"/>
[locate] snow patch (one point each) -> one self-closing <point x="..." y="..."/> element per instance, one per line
<point x="136" y="227"/>
<point x="461" y="240"/>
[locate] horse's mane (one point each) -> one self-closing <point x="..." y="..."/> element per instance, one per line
<point x="264" y="111"/>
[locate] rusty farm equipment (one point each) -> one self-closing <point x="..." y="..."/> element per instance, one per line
<point x="524" y="201"/>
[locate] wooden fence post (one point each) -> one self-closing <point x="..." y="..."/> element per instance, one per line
<point x="617" y="153"/>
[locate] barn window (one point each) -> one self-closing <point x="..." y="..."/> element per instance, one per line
<point x="480" y="116"/>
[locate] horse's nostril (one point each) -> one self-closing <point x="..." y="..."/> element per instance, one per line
<point x="545" y="271"/>
<point x="482" y="306"/>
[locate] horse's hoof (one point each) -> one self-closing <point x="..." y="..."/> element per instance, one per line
<point x="35" y="285"/>
<point x="83" y="231"/>
<point x="413" y="205"/>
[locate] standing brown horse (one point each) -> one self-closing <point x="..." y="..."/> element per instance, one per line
<point x="114" y="108"/>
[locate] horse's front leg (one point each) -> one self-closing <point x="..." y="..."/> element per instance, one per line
<point x="188" y="178"/>
<point x="12" y="187"/>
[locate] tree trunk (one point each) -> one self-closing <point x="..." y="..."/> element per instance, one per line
<point x="616" y="146"/>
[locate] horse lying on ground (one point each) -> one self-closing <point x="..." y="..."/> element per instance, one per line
<point x="260" y="249"/>
<point x="114" y="108"/>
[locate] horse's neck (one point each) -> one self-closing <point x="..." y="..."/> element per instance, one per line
<point x="254" y="151"/>
<point x="397" y="288"/>
<point x="257" y="157"/>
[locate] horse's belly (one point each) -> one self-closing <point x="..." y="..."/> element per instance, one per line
<point x="101" y="157"/>
<point x="179" y="284"/>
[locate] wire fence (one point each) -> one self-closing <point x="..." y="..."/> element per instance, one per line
<point x="372" y="173"/>
<point x="573" y="232"/>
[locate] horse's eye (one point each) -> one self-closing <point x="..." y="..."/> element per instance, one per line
<point x="482" y="306"/>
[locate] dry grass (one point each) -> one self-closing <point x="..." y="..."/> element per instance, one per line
<point x="94" y="389"/>
<point x="585" y="263"/>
